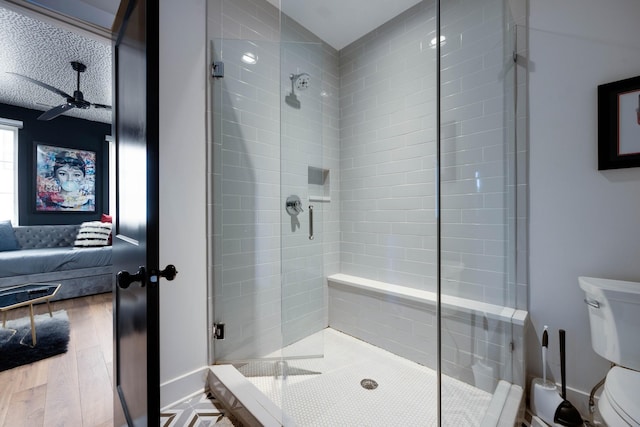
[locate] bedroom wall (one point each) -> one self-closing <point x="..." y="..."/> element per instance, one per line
<point x="63" y="131"/>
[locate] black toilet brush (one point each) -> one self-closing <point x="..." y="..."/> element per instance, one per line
<point x="566" y="414"/>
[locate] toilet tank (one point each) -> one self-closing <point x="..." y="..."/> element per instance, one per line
<point x="614" y="316"/>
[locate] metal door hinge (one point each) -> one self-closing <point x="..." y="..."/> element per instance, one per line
<point x="512" y="346"/>
<point x="218" y="331"/>
<point x="217" y="69"/>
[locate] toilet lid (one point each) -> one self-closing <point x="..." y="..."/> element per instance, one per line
<point x="623" y="388"/>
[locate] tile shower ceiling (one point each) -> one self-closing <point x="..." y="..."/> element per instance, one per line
<point x="341" y="22"/>
<point x="43" y="52"/>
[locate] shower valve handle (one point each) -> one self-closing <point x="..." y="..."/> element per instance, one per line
<point x="294" y="205"/>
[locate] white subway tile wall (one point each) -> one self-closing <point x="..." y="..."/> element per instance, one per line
<point x="388" y="122"/>
<point x="387" y="133"/>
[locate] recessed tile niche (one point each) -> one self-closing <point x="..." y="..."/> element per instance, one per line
<point x="319" y="184"/>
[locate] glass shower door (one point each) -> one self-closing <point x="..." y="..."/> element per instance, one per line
<point x="267" y="210"/>
<point x="246" y="203"/>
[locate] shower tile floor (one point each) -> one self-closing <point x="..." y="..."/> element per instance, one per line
<point x="327" y="391"/>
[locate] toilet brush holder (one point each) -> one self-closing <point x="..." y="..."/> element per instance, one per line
<point x="544" y="400"/>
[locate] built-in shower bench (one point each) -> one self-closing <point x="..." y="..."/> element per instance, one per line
<point x="426" y="298"/>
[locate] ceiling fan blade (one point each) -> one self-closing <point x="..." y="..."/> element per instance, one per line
<point x="55" y="111"/>
<point x="106" y="107"/>
<point x="44" y="85"/>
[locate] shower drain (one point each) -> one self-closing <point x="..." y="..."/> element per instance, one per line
<point x="369" y="384"/>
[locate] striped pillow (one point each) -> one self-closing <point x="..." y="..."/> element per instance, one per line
<point x="93" y="234"/>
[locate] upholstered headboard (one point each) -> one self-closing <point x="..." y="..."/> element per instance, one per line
<point x="45" y="236"/>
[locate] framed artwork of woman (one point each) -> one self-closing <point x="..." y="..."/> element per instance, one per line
<point x="65" y="179"/>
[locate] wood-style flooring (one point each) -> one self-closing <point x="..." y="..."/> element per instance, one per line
<point x="72" y="389"/>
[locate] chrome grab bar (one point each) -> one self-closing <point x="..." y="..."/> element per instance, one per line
<point x="310" y="222"/>
<point x="592" y="303"/>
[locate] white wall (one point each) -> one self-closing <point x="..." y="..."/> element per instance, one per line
<point x="582" y="221"/>
<point x="183" y="323"/>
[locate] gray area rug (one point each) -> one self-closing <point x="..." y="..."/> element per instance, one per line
<point x="16" y="347"/>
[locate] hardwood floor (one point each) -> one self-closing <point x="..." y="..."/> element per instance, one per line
<point x="72" y="389"/>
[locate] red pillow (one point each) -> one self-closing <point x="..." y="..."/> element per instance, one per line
<point x="107" y="218"/>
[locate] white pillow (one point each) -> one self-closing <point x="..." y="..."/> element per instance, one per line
<point x="93" y="234"/>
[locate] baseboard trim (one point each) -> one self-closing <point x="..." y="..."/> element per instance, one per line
<point x="183" y="387"/>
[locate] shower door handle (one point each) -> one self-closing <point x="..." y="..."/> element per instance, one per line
<point x="310" y="222"/>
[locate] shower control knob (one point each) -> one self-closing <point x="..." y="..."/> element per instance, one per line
<point x="294" y="205"/>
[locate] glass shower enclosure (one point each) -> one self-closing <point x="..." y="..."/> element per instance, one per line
<point x="364" y="208"/>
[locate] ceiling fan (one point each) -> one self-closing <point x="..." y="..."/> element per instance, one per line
<point x="75" y="101"/>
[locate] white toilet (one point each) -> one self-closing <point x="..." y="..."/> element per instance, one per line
<point x="614" y="315"/>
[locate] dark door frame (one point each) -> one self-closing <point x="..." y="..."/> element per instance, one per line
<point x="146" y="16"/>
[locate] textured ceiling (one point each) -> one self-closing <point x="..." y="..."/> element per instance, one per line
<point x="44" y="52"/>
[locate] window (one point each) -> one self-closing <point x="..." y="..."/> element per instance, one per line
<point x="9" y="169"/>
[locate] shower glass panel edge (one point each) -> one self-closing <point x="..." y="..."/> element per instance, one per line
<point x="303" y="182"/>
<point x="478" y="199"/>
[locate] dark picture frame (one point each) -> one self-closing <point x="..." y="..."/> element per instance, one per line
<point x="619" y="124"/>
<point x="65" y="179"/>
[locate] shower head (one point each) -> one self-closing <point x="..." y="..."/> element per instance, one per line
<point x="298" y="81"/>
<point x="301" y="81"/>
